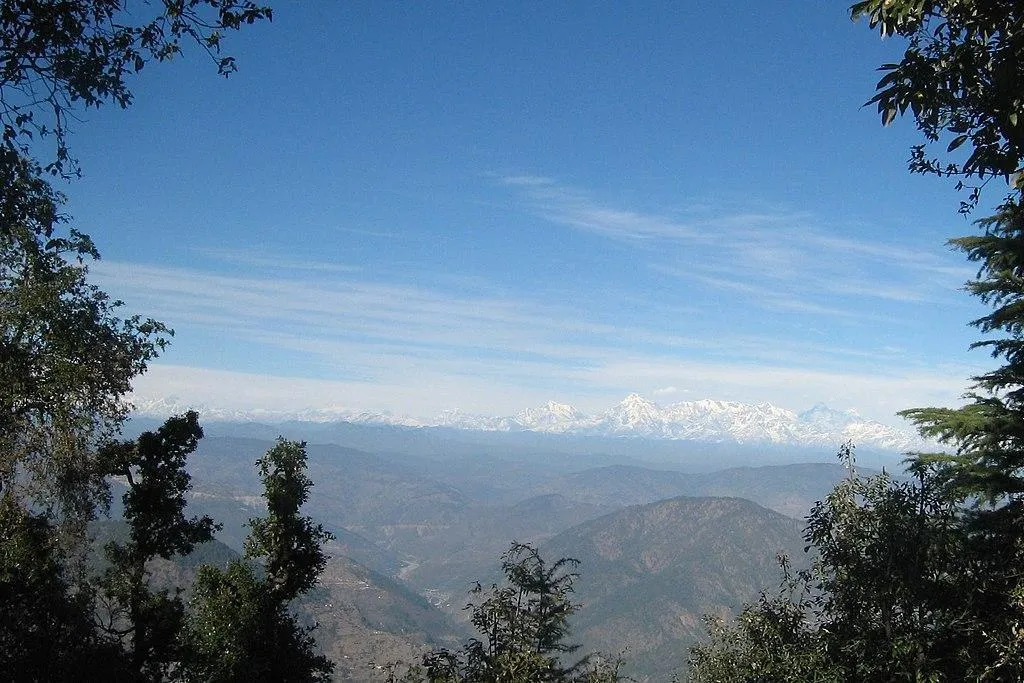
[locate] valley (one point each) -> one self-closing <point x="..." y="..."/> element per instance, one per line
<point x="662" y="541"/>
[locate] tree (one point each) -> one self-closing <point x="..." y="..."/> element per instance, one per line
<point x="146" y="622"/>
<point x="47" y="629"/>
<point x="890" y="595"/>
<point x="288" y="543"/>
<point x="962" y="79"/>
<point x="770" y="640"/>
<point x="921" y="580"/>
<point x="239" y="627"/>
<point x="523" y="626"/>
<point x="66" y="358"/>
<point x="67" y="353"/>
<point x="58" y="56"/>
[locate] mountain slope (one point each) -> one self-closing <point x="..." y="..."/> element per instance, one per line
<point x="650" y="572"/>
<point x="364" y="619"/>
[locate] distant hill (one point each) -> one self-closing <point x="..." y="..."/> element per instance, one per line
<point x="389" y="511"/>
<point x="789" y="489"/>
<point x="439" y="522"/>
<point x="559" y="452"/>
<point x="650" y="572"/>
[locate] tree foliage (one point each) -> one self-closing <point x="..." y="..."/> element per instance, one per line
<point x="961" y="78"/>
<point x="523" y="625"/>
<point x="891" y="594"/>
<point x="965" y="63"/>
<point x="46" y="633"/>
<point x="66" y="357"/>
<point x="56" y="57"/>
<point x="239" y="627"/>
<point x="147" y="622"/>
<point x="236" y="631"/>
<point x="920" y="580"/>
<point x="68" y="354"/>
<point x="770" y="640"/>
<point x="288" y="544"/>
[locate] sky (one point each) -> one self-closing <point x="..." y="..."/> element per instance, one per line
<point x="417" y="207"/>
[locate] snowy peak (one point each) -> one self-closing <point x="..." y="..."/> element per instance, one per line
<point x="635" y="416"/>
<point x="707" y="420"/>
<point x="823" y="416"/>
<point x="551" y="416"/>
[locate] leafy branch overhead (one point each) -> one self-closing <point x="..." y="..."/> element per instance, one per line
<point x="961" y="78"/>
<point x="58" y="56"/>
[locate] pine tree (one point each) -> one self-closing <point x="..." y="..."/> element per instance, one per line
<point x="962" y="80"/>
<point x="921" y="581"/>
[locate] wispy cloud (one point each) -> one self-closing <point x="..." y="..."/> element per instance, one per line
<point x="426" y="341"/>
<point x="774" y="259"/>
<point x="485" y="352"/>
<point x="619" y="223"/>
<point x="261" y="260"/>
<point x="527" y="180"/>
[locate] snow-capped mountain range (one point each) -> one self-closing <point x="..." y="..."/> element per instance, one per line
<point x="634" y="416"/>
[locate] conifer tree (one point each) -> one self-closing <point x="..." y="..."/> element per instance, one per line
<point x="921" y="581"/>
<point x="962" y="79"/>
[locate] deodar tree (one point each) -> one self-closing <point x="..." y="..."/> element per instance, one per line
<point x="962" y="79"/>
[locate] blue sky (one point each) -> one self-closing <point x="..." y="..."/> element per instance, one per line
<point x="417" y="207"/>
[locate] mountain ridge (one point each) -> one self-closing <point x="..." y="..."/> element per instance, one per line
<point x="649" y="572"/>
<point x="706" y="420"/>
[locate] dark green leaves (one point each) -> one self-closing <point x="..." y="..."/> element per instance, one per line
<point x="960" y="74"/>
<point x="145" y="622"/>
<point x="239" y="627"/>
<point x="523" y="625"/>
<point x="66" y="357"/>
<point x="288" y="543"/>
<point x="58" y="56"/>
